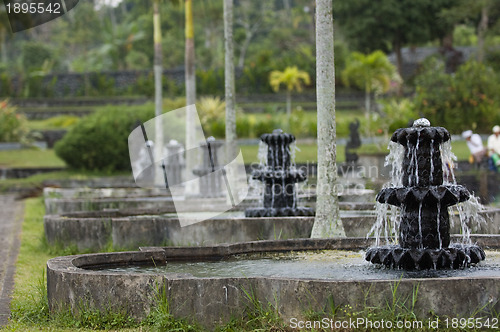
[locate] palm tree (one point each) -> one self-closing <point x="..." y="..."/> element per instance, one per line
<point x="293" y="79"/>
<point x="190" y="76"/>
<point x="372" y="72"/>
<point x="189" y="55"/>
<point x="229" y="81"/>
<point x="158" y="72"/>
<point x="327" y="222"/>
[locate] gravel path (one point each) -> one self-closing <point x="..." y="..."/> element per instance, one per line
<point x="11" y="217"/>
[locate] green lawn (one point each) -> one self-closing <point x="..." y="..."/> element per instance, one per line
<point x="30" y="158"/>
<point x="306" y="153"/>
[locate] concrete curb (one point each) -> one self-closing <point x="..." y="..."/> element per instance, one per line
<point x="10" y="226"/>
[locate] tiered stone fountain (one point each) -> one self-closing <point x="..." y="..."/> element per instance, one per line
<point x="279" y="177"/>
<point x="423" y="199"/>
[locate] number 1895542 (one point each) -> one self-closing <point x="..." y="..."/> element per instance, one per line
<point x="33" y="8"/>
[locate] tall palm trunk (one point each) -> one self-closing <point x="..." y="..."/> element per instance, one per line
<point x="327" y="222"/>
<point x="189" y="55"/>
<point x="288" y="108"/>
<point x="158" y="68"/>
<point x="481" y="31"/>
<point x="229" y="81"/>
<point x="158" y="71"/>
<point x="189" y="63"/>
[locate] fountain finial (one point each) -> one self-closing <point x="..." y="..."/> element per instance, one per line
<point x="422" y="122"/>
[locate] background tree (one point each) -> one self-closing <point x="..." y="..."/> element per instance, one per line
<point x="391" y="24"/>
<point x="467" y="99"/>
<point x="293" y="79"/>
<point x="327" y="222"/>
<point x="481" y="14"/>
<point x="372" y="73"/>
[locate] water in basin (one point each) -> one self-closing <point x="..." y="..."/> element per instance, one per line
<point x="328" y="264"/>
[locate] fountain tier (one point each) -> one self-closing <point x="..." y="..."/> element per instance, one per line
<point x="424" y="229"/>
<point x="279" y="177"/>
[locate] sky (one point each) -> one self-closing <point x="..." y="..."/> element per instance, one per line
<point x="100" y="3"/>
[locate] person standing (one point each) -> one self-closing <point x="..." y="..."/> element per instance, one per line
<point x="494" y="148"/>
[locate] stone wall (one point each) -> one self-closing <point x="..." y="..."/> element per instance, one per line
<point x="73" y="84"/>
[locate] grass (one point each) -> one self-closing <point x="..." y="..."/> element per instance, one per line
<point x="307" y="152"/>
<point x="36" y="181"/>
<point x="30" y="158"/>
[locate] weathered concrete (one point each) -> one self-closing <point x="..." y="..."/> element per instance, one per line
<point x="97" y="230"/>
<point x="491" y="223"/>
<point x="10" y="230"/>
<point x="210" y="301"/>
<point x="64" y="200"/>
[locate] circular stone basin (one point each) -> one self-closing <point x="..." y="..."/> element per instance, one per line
<point x="210" y="285"/>
<point x="131" y="228"/>
<point x="66" y="200"/>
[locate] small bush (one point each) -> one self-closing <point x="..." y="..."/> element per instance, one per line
<point x="12" y="125"/>
<point x="243" y="125"/>
<point x="265" y="126"/>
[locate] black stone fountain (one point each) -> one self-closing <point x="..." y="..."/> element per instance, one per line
<point x="279" y="177"/>
<point x="423" y="199"/>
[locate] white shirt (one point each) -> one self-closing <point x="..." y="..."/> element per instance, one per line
<point x="494" y="143"/>
<point x="475" y="144"/>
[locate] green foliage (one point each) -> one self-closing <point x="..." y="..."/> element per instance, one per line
<point x="211" y="111"/>
<point x="161" y="318"/>
<point x="464" y="35"/>
<point x="99" y="141"/>
<point x="371" y="72"/>
<point x="13" y="126"/>
<point x="35" y="308"/>
<point x="380" y="25"/>
<point x="210" y="81"/>
<point x="396" y="114"/>
<point x="144" y="86"/>
<point x="5" y="84"/>
<point x="244" y="125"/>
<point x="265" y="126"/>
<point x="466" y="100"/>
<point x="291" y="77"/>
<point x="34" y="55"/>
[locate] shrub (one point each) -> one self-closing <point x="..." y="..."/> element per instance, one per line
<point x="265" y="126"/>
<point x="244" y="125"/>
<point x="210" y="81"/>
<point x="12" y="125"/>
<point x="100" y="140"/>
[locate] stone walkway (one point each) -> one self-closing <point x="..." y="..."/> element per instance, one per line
<point x="11" y="217"/>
